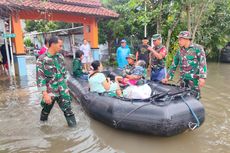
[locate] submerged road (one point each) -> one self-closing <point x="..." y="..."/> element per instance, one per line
<point x="21" y="130"/>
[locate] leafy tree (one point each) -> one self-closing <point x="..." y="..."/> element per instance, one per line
<point x="214" y="33"/>
<point x="207" y="20"/>
<point x="45" y="26"/>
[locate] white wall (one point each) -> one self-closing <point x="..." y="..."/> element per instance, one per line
<point x="1" y="31"/>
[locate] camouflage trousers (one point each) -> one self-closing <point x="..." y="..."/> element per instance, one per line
<point x="64" y="103"/>
<point x="193" y="85"/>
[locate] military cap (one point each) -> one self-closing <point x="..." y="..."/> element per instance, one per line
<point x="131" y="56"/>
<point x="185" y="34"/>
<point x="156" y="36"/>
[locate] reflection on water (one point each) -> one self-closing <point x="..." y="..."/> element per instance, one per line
<point x="21" y="131"/>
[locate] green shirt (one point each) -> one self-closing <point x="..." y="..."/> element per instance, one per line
<point x="77" y="68"/>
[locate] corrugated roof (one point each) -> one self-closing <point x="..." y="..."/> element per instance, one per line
<point x="83" y="7"/>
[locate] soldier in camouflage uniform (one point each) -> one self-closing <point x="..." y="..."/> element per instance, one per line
<point x="131" y="65"/>
<point x="192" y="61"/>
<point x="51" y="81"/>
<point x="158" y="58"/>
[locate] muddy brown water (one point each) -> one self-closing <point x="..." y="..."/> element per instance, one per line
<point x="21" y="131"/>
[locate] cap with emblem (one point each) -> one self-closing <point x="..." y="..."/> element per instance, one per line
<point x="156" y="36"/>
<point x="185" y="35"/>
<point x="131" y="56"/>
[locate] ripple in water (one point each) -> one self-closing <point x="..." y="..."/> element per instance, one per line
<point x="21" y="130"/>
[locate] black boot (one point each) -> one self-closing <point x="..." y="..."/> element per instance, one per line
<point x="71" y="121"/>
<point x="44" y="116"/>
<point x="70" y="118"/>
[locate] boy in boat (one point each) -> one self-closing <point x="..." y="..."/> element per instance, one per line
<point x="77" y="66"/>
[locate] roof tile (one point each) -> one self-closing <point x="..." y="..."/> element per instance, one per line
<point x="85" y="7"/>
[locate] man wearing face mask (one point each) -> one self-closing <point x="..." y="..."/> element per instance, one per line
<point x="51" y="81"/>
<point x="192" y="62"/>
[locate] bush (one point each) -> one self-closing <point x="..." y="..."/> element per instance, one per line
<point x="28" y="42"/>
<point x="171" y="53"/>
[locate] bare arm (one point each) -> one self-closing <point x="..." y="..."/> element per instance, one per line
<point x="106" y="84"/>
<point x="133" y="77"/>
<point x="137" y="54"/>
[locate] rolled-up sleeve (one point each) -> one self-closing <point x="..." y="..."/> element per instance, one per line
<point x="163" y="52"/>
<point x="202" y="65"/>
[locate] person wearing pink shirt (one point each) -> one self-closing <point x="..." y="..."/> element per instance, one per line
<point x="44" y="48"/>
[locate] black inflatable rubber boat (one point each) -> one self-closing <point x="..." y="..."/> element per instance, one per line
<point x="169" y="111"/>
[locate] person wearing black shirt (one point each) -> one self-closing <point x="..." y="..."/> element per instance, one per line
<point x="4" y="56"/>
<point x="142" y="52"/>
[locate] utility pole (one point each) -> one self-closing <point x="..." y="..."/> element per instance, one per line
<point x="7" y="48"/>
<point x="11" y="47"/>
<point x="73" y="43"/>
<point x="145" y="27"/>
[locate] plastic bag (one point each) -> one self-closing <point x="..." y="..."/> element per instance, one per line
<point x="137" y="92"/>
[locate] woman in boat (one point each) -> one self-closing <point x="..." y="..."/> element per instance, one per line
<point x="99" y="83"/>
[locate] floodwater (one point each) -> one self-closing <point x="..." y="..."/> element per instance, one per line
<point x="21" y="130"/>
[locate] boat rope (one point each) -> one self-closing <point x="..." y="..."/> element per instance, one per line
<point x="192" y="125"/>
<point x="115" y="123"/>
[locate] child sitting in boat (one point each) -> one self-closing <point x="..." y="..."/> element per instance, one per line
<point x="77" y="66"/>
<point x="99" y="83"/>
<point x="135" y="76"/>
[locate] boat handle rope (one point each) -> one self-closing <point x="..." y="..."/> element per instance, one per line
<point x="115" y="123"/>
<point x="192" y="125"/>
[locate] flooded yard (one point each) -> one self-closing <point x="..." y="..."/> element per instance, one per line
<point x="21" y="130"/>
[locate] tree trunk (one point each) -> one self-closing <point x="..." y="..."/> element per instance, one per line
<point x="198" y="21"/>
<point x="176" y="21"/>
<point x="188" y="11"/>
<point x="159" y="19"/>
<point x="168" y="39"/>
<point x="110" y="45"/>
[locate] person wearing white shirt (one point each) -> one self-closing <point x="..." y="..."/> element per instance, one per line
<point x="85" y="48"/>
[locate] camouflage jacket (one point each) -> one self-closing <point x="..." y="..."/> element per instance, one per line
<point x="159" y="63"/>
<point x="138" y="70"/>
<point x="128" y="68"/>
<point x="192" y="63"/>
<point x="51" y="74"/>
